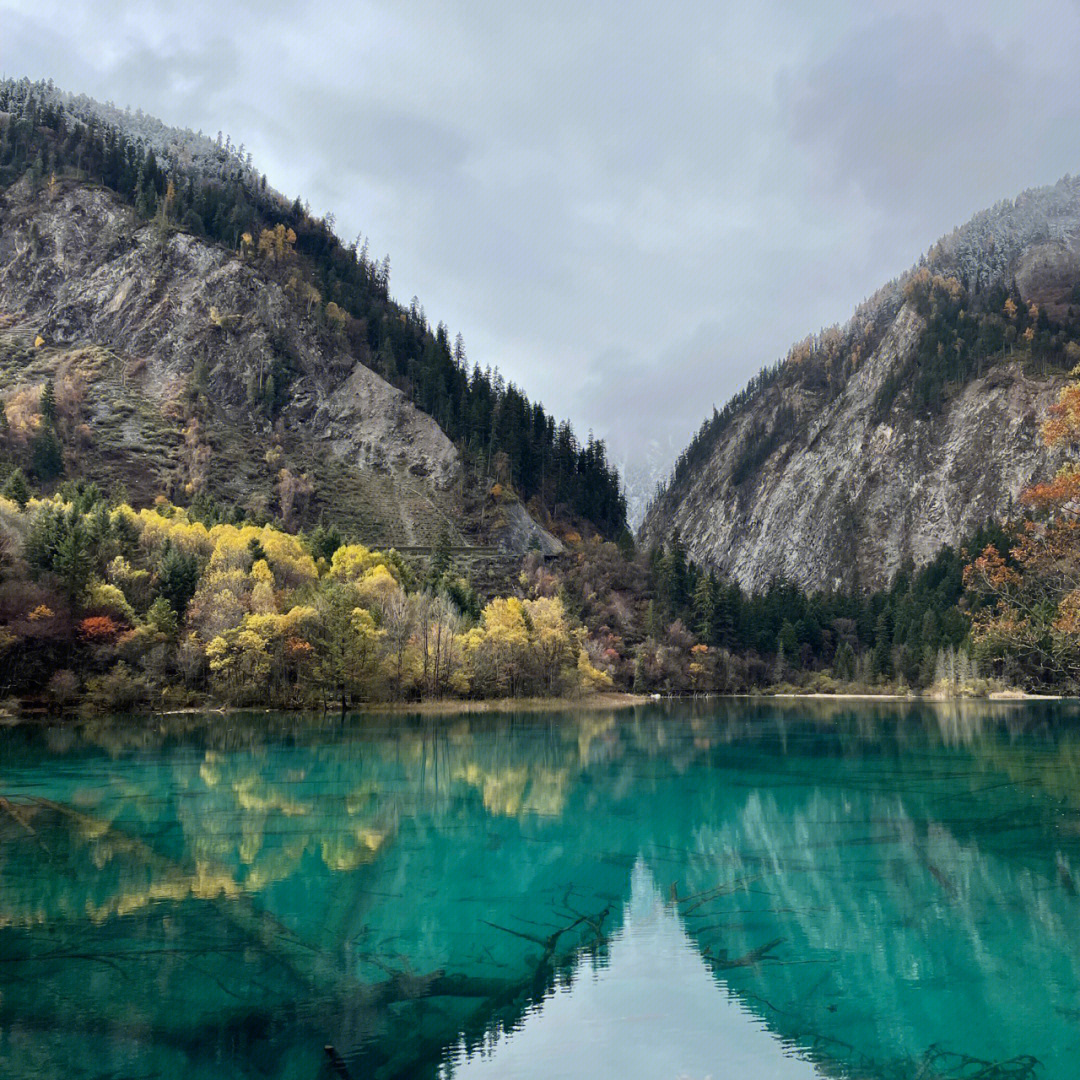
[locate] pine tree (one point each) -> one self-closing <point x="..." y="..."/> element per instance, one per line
<point x="844" y="662"/>
<point x="178" y="578"/>
<point x="48" y="404"/>
<point x="17" y="489"/>
<point x="73" y="562"/>
<point x="787" y="641"/>
<point x="728" y="603"/>
<point x="46" y="455"/>
<point x="883" y="645"/>
<point x="324" y="541"/>
<point x="256" y="553"/>
<point x="675" y="574"/>
<point x="704" y="609"/>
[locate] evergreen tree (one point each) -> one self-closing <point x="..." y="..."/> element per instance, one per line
<point x="178" y="578"/>
<point x="46" y="455"/>
<point x="255" y="551"/>
<point x="844" y="662"/>
<point x="705" y="608"/>
<point x="48" y="404"/>
<point x="882" y="658"/>
<point x="728" y="603"/>
<point x="17" y="489"/>
<point x="787" y="642"/>
<point x="675" y="575"/>
<point x="73" y="562"/>
<point x="324" y="541"/>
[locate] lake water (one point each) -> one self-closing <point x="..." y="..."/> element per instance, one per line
<point x="782" y="890"/>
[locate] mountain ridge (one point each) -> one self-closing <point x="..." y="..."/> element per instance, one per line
<point x="905" y="429"/>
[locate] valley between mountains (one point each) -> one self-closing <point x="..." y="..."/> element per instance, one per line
<point x="235" y="470"/>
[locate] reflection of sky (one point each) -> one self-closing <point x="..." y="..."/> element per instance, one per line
<point x="653" y="1010"/>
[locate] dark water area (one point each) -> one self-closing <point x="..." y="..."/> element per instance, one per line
<point x="778" y="890"/>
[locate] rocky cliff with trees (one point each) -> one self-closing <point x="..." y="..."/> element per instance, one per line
<point x="209" y="340"/>
<point x="875" y="444"/>
<point x="233" y="470"/>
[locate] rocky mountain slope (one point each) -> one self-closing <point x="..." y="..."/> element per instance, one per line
<point x="208" y="339"/>
<point x="159" y="339"/>
<point x="643" y="472"/>
<point x="904" y="430"/>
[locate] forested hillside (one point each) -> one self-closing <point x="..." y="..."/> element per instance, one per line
<point x="182" y="183"/>
<point x="217" y="426"/>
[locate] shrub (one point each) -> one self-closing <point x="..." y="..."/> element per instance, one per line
<point x="63" y="687"/>
<point x="118" y="690"/>
<point x="98" y="628"/>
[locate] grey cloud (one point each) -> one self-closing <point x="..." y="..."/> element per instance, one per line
<point x="926" y="119"/>
<point x="619" y="383"/>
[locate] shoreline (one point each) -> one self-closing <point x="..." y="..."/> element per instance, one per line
<point x="612" y="702"/>
<point x="997" y="696"/>
<point x="602" y="702"/>
<point x="606" y="702"/>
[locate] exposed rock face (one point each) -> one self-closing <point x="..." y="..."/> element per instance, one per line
<point x="159" y="328"/>
<point x="519" y="531"/>
<point x="845" y="496"/>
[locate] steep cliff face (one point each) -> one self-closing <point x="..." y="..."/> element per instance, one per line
<point x="903" y="431"/>
<point x="191" y="368"/>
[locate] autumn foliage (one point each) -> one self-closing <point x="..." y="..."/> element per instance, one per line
<point x="1028" y="620"/>
<point x="153" y="606"/>
<point x="98" y="628"/>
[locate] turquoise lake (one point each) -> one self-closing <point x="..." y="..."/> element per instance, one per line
<point x="725" y="889"/>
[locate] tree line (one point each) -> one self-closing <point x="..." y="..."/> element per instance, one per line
<point x="117" y="609"/>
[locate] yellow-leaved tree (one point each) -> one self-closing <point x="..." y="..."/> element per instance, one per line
<point x="277" y="244"/>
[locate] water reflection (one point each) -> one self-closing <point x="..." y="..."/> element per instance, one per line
<point x="650" y="1007"/>
<point x="868" y="890"/>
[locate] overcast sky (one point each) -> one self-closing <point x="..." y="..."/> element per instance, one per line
<point x="629" y="208"/>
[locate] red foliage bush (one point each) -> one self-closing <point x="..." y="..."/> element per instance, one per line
<point x="97" y="628"/>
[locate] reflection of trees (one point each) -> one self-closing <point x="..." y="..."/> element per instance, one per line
<point x="388" y="885"/>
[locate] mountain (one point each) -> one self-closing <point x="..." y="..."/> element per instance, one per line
<point x="643" y="471"/>
<point x="877" y="443"/>
<point x="210" y="341"/>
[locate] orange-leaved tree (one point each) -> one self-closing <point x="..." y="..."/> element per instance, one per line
<point x="1028" y="623"/>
